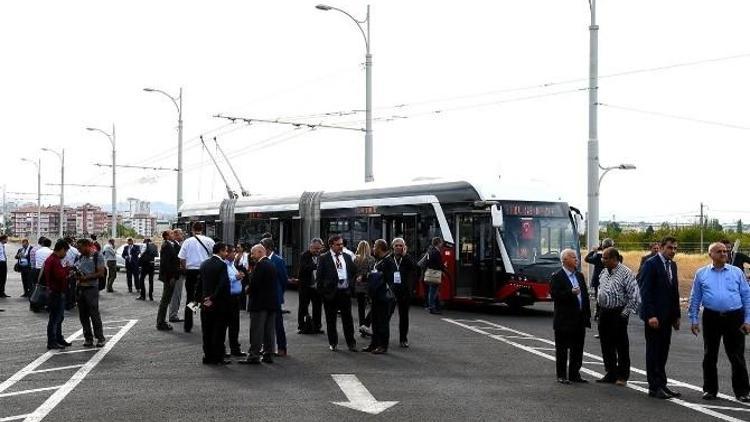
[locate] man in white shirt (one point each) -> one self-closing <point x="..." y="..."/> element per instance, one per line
<point x="110" y="258"/>
<point x="3" y="266"/>
<point x="40" y="255"/>
<point x="194" y="250"/>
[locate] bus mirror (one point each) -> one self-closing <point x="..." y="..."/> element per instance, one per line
<point x="497" y="217"/>
<point x="580" y="226"/>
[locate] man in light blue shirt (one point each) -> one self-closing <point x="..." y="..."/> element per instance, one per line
<point x="725" y="296"/>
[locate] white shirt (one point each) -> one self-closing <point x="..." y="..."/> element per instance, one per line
<point x="70" y="257"/>
<point x="343" y="276"/>
<point x="193" y="253"/>
<point x="3" y="257"/>
<point x="244" y="263"/>
<point x="109" y="253"/>
<point x="41" y="255"/>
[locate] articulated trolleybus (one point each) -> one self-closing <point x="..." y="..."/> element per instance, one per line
<point x="499" y="246"/>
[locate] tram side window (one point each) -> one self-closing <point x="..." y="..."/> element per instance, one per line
<point x="338" y="226"/>
<point x="427" y="229"/>
<point x="251" y="230"/>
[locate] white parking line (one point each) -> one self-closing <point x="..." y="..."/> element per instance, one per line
<point x="61" y="390"/>
<point x="505" y="339"/>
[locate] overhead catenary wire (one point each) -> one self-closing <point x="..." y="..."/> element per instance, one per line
<point x="675" y="116"/>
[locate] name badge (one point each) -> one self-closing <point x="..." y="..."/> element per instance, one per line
<point x="397" y="277"/>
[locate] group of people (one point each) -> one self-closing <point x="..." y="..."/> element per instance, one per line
<point x="720" y="288"/>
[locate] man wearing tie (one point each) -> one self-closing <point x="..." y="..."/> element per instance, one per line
<point x="336" y="272"/>
<point x="660" y="310"/>
<point x="308" y="269"/>
<point x="572" y="315"/>
<point x="725" y="295"/>
<point x="131" y="254"/>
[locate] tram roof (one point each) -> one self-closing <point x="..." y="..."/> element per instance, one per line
<point x="446" y="191"/>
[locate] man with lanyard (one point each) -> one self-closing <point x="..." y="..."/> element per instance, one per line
<point x="404" y="271"/>
<point x="725" y="295"/>
<point x="3" y="265"/>
<point x="193" y="252"/>
<point x="23" y="256"/>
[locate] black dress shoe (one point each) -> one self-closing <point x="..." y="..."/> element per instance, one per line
<point x="239" y="354"/>
<point x="708" y="396"/>
<point x="164" y="327"/>
<point x="404" y="344"/>
<point x="659" y="394"/>
<point x="266" y="359"/>
<point x="176" y="320"/>
<point x="744" y="398"/>
<point x="671" y="392"/>
<point x="579" y="380"/>
<point x="64" y="343"/>
<point x="54" y="346"/>
<point x="606" y="380"/>
<point x="140" y="298"/>
<point x="563" y="381"/>
<point x="250" y="361"/>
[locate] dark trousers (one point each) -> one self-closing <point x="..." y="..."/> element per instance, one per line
<point x="380" y="314"/>
<point x="569" y="352"/>
<point x="403" y="303"/>
<point x="262" y="333"/>
<point x="308" y="295"/>
<point x="726" y="327"/>
<point x="146" y="270"/>
<point x="166" y="298"/>
<point x="28" y="286"/>
<point x="213" y="328"/>
<point x="192" y="280"/>
<point x="362" y="309"/>
<point x="613" y="334"/>
<point x="56" y="317"/>
<point x="233" y="324"/>
<point x="280" y="332"/>
<point x="341" y="302"/>
<point x="131" y="274"/>
<point x="657" y="353"/>
<point x="88" y="312"/>
<point x="3" y="276"/>
<point x="111" y="274"/>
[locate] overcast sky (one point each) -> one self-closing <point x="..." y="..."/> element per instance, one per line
<point x="459" y="72"/>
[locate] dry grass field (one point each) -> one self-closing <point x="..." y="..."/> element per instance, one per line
<point x="687" y="265"/>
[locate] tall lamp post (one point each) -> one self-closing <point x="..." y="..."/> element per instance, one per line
<point x="61" y="155"/>
<point x="594" y="223"/>
<point x="38" y="165"/>
<point x="177" y="103"/>
<point x="368" y="86"/>
<point x="593" y="143"/>
<point x="114" y="172"/>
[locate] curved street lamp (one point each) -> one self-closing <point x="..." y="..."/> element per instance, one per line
<point x="38" y="165"/>
<point x="178" y="104"/>
<point x="368" y="85"/>
<point x="61" y="156"/>
<point x="114" y="172"/>
<point x="608" y="169"/>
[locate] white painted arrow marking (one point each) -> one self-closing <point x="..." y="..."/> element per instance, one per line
<point x="359" y="398"/>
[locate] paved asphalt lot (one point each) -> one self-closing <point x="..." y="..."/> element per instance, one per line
<point x="467" y="364"/>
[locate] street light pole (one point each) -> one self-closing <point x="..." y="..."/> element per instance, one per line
<point x="177" y="103"/>
<point x="61" y="156"/>
<point x="38" y="165"/>
<point x="369" y="177"/>
<point x="593" y="143"/>
<point x="112" y="140"/>
<point x="606" y="170"/>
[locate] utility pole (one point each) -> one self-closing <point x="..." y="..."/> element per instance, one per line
<point x="702" y="226"/>
<point x="5" y="212"/>
<point x="593" y="142"/>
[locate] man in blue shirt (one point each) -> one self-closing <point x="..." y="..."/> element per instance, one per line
<point x="725" y="295"/>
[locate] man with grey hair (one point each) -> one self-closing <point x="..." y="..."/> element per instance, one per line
<point x="725" y="295"/>
<point x="617" y="299"/>
<point x="404" y="271"/>
<point x="174" y="304"/>
<point x="263" y="306"/>
<point x="306" y="279"/>
<point x="572" y="315"/>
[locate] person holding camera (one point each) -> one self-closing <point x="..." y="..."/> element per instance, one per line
<point x="90" y="268"/>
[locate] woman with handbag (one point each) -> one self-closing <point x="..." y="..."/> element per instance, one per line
<point x="56" y="280"/>
<point x="364" y="262"/>
<point x="433" y="273"/>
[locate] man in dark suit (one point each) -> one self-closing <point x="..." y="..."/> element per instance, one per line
<point x="572" y="316"/>
<point x="660" y="310"/>
<point x="147" y="267"/>
<point x="169" y="271"/>
<point x="131" y="254"/>
<point x="308" y="269"/>
<point x="282" y="278"/>
<point x="263" y="307"/>
<point x="214" y="305"/>
<point x="336" y="272"/>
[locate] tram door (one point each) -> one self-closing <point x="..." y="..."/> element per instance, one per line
<point x="476" y="249"/>
<point x="404" y="226"/>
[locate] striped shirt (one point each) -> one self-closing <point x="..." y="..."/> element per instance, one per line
<point x="618" y="288"/>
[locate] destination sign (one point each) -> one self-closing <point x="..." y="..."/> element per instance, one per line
<point x="531" y="209"/>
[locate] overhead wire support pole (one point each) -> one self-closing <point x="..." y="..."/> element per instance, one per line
<point x="287" y="122"/>
<point x="232" y="194"/>
<point x="242" y="188"/>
